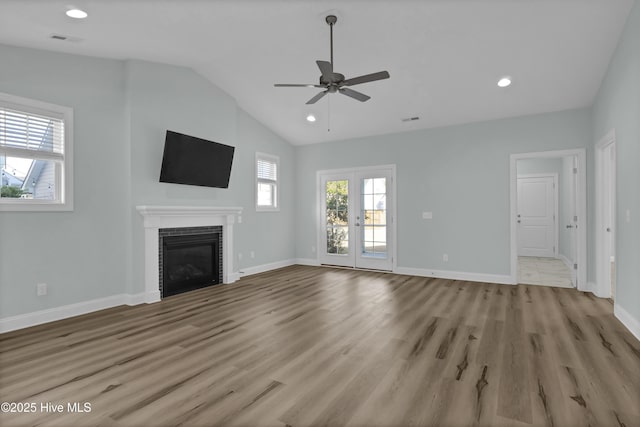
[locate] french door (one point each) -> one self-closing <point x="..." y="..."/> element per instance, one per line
<point x="356" y="217"/>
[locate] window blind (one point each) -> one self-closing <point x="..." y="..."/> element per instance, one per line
<point x="267" y="170"/>
<point x="31" y="133"/>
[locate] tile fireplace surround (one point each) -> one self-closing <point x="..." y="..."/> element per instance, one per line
<point x="157" y="217"/>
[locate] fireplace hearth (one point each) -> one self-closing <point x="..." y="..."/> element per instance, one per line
<point x="189" y="259"/>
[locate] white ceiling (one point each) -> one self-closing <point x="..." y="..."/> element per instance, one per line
<point x="444" y="56"/>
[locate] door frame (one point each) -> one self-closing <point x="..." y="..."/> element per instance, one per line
<point x="602" y="250"/>
<point x="581" y="210"/>
<point x="320" y="236"/>
<point x="556" y="221"/>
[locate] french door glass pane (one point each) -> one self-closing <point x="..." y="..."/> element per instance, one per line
<point x="374" y="211"/>
<point x="337" y="214"/>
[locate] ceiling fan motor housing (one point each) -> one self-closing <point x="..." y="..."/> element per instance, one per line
<point x="336" y="78"/>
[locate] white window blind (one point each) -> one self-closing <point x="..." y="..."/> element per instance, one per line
<point x="35" y="135"/>
<point x="267" y="170"/>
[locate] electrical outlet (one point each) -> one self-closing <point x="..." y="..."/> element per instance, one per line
<point x="41" y="289"/>
<point x="252" y="254"/>
<point x="445" y="257"/>
<point x="239" y="219"/>
<point x="313" y="249"/>
<point x="240" y="255"/>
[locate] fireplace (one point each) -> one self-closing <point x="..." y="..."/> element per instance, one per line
<point x="185" y="220"/>
<point x="190" y="258"/>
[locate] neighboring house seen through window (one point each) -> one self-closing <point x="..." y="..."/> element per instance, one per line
<point x="35" y="155"/>
<point x="267" y="182"/>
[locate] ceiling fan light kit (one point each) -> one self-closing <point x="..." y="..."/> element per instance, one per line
<point x="333" y="82"/>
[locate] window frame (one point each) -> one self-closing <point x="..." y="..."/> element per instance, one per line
<point x="276" y="184"/>
<point x="64" y="169"/>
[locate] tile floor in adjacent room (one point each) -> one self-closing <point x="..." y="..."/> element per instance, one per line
<point x="543" y="271"/>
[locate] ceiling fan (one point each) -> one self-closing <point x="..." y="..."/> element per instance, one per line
<point x="335" y="82"/>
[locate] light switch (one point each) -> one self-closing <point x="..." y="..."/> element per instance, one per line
<point x="628" y="215"/>
<point x="427" y="215"/>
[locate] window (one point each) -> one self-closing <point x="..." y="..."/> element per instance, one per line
<point x="266" y="182"/>
<point x="35" y="155"/>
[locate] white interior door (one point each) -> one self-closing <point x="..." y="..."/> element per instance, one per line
<point x="356" y="214"/>
<point x="572" y="223"/>
<point x="536" y="211"/>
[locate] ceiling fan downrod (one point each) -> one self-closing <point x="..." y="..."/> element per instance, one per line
<point x="331" y="20"/>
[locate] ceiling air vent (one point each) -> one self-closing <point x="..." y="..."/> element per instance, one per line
<point x="62" y="37"/>
<point x="411" y="119"/>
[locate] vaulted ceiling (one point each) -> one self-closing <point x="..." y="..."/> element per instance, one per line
<point x="444" y="56"/>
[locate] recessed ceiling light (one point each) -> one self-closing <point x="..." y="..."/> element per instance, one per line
<point x="311" y="118"/>
<point x="77" y="13"/>
<point x="504" y="82"/>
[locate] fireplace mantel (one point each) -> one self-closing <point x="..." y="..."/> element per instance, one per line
<point x="157" y="217"/>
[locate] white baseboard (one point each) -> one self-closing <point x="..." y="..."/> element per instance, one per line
<point x="233" y="277"/>
<point x="266" y="267"/>
<point x="595" y="289"/>
<point x="456" y="275"/>
<point x="307" y="261"/>
<point x="630" y="322"/>
<point x="21" y="321"/>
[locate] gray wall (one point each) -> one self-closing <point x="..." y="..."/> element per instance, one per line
<point x="121" y="112"/>
<point x="617" y="107"/>
<point x="79" y="254"/>
<point x="460" y="173"/>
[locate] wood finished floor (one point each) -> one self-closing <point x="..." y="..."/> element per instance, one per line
<point x="313" y="346"/>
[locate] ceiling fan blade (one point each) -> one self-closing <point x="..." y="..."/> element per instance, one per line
<point x="380" y="75"/>
<point x="353" y="94"/>
<point x="317" y="97"/>
<point x="296" y="85"/>
<point x="326" y="69"/>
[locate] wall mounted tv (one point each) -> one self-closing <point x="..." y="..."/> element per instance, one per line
<point x="195" y="161"/>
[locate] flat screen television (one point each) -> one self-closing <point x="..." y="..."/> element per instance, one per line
<point x="195" y="161"/>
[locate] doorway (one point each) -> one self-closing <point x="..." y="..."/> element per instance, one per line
<point x="357" y="210"/>
<point x="606" y="215"/>
<point x="548" y="206"/>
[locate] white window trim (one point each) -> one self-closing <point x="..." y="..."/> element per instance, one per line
<point x="65" y="203"/>
<point x="276" y="160"/>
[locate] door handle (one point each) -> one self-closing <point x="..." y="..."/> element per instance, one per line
<point x="519" y="221"/>
<point x="569" y="226"/>
<point x="608" y="230"/>
<point x="357" y="224"/>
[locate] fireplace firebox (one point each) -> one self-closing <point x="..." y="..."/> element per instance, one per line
<point x="189" y="259"/>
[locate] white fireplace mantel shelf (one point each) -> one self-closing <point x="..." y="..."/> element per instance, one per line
<point x="157" y="217"/>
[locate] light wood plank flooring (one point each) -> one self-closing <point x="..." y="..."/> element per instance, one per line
<point x="314" y="346"/>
